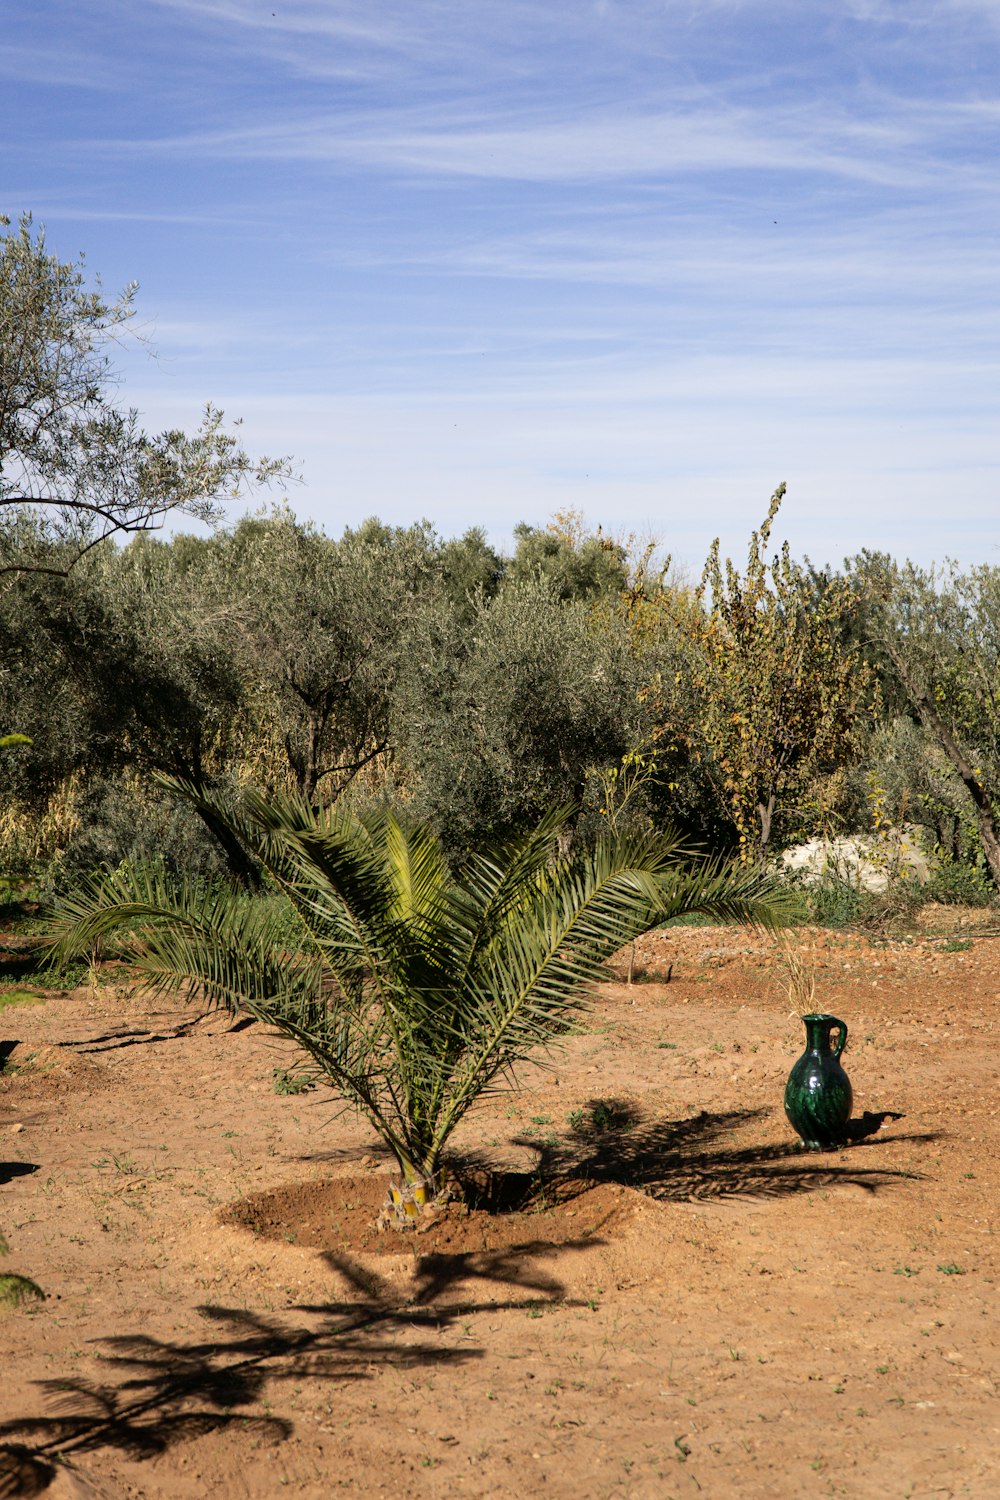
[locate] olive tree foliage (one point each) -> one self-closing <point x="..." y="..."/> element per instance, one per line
<point x="38" y="698"/>
<point x="268" y="654"/>
<point x="939" y="628"/>
<point x="781" y="687"/>
<point x="577" y="564"/>
<point x="467" y="569"/>
<point x="902" y="779"/>
<point x="68" y="452"/>
<point x="503" y="716"/>
<point x="149" y="660"/>
<point x="319" y="627"/>
<point x="53" y="690"/>
<point x="665" y="773"/>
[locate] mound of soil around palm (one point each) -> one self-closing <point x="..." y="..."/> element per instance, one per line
<point x="499" y="1211"/>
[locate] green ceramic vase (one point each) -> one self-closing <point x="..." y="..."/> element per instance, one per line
<point x="818" y="1092"/>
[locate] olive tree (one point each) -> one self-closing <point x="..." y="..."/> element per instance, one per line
<point x="577" y="564"/>
<point x="151" y="666"/>
<point x="503" y="715"/>
<point x="939" y="628"/>
<point x="319" y="628"/>
<point x="68" y="451"/>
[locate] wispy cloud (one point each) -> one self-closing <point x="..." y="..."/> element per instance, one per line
<point x="904" y="257"/>
<point x="52" y="208"/>
<point x="57" y="65"/>
<point x="599" y="145"/>
<point x="687" y="453"/>
<point x="476" y="260"/>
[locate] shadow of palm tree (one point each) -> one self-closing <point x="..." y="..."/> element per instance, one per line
<point x="158" y="1393"/>
<point x="125" y="1036"/>
<point x="438" y="1272"/>
<point x="680" y="1160"/>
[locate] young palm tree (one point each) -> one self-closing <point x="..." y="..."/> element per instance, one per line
<point x="412" y="989"/>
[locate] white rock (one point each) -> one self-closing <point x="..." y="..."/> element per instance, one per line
<point x="869" y="861"/>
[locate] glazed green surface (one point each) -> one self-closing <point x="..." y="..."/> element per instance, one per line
<point x="818" y="1096"/>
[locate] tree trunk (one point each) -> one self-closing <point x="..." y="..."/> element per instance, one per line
<point x="241" y="866"/>
<point x="989" y="834"/>
<point x="416" y="1199"/>
<point x="765" y="811"/>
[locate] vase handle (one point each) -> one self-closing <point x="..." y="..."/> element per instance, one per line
<point x="841" y="1040"/>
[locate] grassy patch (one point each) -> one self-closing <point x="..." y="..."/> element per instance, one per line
<point x="603" y="1116"/>
<point x="691" y="919"/>
<point x="19" y="997"/>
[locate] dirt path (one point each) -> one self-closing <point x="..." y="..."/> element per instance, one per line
<point x="717" y="1313"/>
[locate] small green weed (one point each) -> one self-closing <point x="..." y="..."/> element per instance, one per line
<point x="950" y="1269"/>
<point x="8" y="1067"/>
<point x="601" y="1116"/>
<point x="287" y="1082"/>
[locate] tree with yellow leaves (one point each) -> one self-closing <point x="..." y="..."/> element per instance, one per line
<point x="781" y="687"/>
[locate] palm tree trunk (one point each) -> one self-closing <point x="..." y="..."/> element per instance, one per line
<point x="415" y="1200"/>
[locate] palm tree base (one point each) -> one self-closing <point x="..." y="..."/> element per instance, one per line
<point x="414" y="1205"/>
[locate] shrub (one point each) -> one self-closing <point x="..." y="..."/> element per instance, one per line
<point x="957" y="883"/>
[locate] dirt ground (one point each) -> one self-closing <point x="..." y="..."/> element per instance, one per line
<point x="680" y="1302"/>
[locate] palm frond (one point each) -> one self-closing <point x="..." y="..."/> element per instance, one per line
<point x="536" y="976"/>
<point x="327" y="864"/>
<point x="213" y="942"/>
<point x="728" y="892"/>
<point x="417" y="870"/>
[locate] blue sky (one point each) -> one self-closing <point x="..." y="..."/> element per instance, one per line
<point x="480" y="262"/>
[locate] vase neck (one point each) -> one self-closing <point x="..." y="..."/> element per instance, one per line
<point x="818" y="1028"/>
